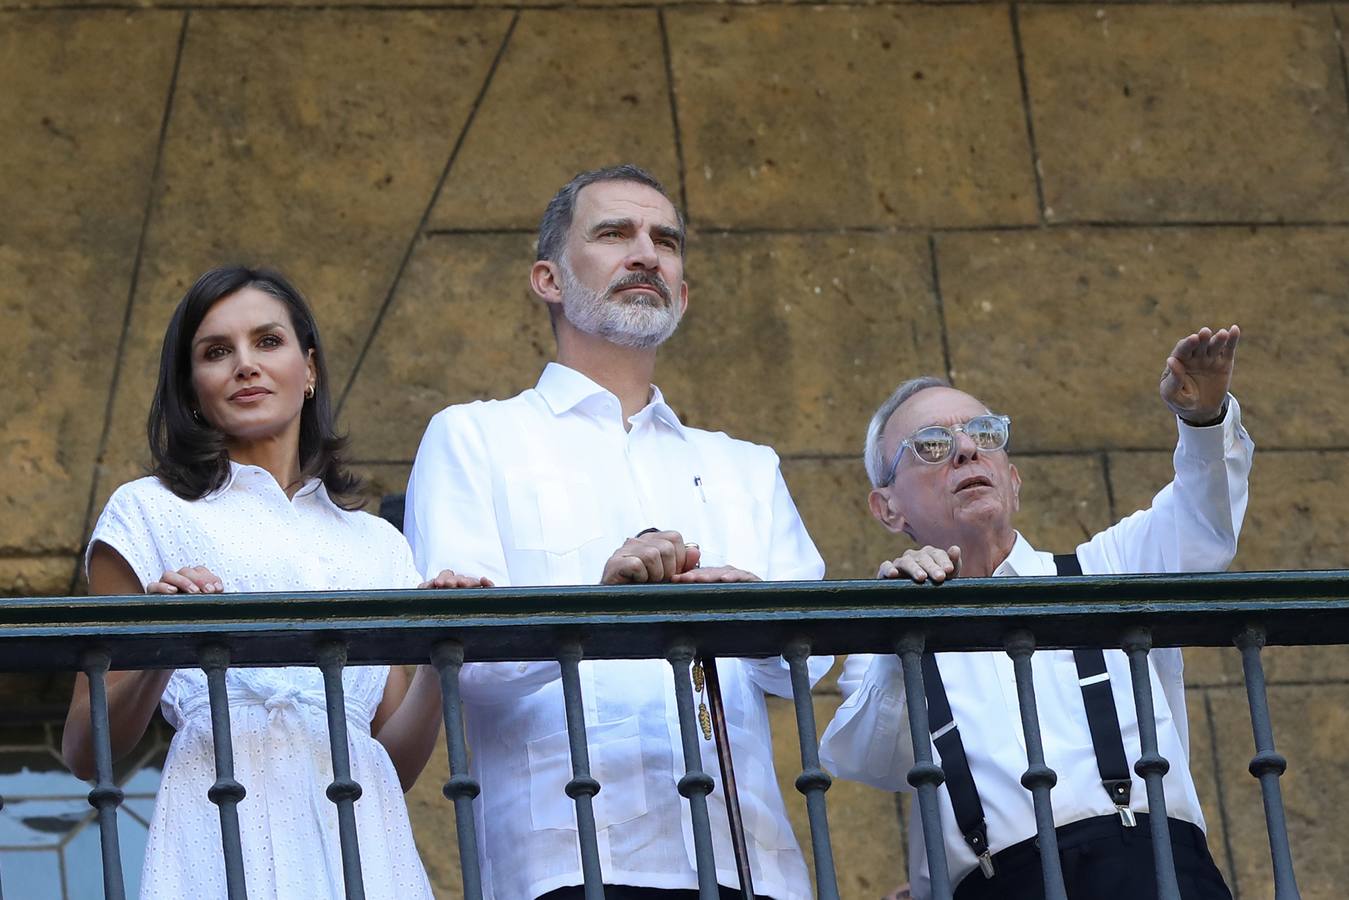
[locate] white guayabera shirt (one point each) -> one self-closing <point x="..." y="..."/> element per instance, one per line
<point x="541" y="489"/>
<point x="1192" y="526"/>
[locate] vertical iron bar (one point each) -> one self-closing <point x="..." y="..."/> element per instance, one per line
<point x="344" y="791"/>
<point x="226" y="792"/>
<point x="1039" y="777"/>
<point x="1267" y="765"/>
<point x="462" y="788"/>
<point x="582" y="788"/>
<point x="696" y="784"/>
<point x="925" y="776"/>
<point x="105" y="796"/>
<point x="813" y="780"/>
<point x="1151" y="766"/>
<point x="726" y="763"/>
<point x="2" y="884"/>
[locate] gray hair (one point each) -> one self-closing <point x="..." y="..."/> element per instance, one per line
<point x="873" y="457"/>
<point x="558" y="215"/>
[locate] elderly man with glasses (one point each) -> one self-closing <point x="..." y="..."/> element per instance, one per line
<point x="938" y="463"/>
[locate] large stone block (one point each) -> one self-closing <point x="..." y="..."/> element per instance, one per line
<point x="545" y="118"/>
<point x="80" y="118"/>
<point x="1204" y="770"/>
<point x="1067" y="331"/>
<point x="463" y="326"/>
<point x="1293" y="521"/>
<point x="1310" y="729"/>
<point x="825" y="116"/>
<point x="320" y="161"/>
<point x="794" y="340"/>
<point x="36" y="576"/>
<point x="1188" y="113"/>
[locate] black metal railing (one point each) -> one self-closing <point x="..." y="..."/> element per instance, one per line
<point x="681" y="624"/>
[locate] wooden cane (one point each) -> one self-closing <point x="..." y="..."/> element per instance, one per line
<point x="723" y="744"/>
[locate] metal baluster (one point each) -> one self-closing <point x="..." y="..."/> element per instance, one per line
<point x="696" y="784"/>
<point x="1039" y="778"/>
<point x="926" y="776"/>
<point x="106" y="796"/>
<point x="582" y="788"/>
<point x="813" y="780"/>
<point x="1267" y="765"/>
<point x="462" y="788"/>
<point x="344" y="791"/>
<point x="1151" y="766"/>
<point x="226" y="792"/>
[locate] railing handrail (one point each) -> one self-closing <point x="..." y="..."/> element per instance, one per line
<point x="159" y="631"/>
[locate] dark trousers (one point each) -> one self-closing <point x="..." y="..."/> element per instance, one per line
<point x="627" y="892"/>
<point x="1102" y="860"/>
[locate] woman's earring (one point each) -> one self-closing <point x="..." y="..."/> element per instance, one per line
<point x="309" y="392"/>
<point x="196" y="417"/>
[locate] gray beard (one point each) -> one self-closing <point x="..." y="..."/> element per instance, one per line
<point x="639" y="324"/>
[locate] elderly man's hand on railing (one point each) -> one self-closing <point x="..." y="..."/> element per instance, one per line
<point x="650" y="558"/>
<point x="924" y="564"/>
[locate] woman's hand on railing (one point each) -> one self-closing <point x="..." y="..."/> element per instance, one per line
<point x="187" y="580"/>
<point x="450" y="579"/>
<point x="927" y="563"/>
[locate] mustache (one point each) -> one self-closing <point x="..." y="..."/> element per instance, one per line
<point x="644" y="279"/>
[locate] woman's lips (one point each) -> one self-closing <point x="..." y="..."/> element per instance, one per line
<point x="248" y="395"/>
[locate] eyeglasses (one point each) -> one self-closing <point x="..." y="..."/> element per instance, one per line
<point x="935" y="443"/>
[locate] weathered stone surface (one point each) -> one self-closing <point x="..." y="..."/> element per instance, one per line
<point x="80" y="120"/>
<point x="1310" y="728"/>
<point x="821" y="117"/>
<point x="869" y="849"/>
<point x="1188" y="113"/>
<point x="1204" y="771"/>
<point x="540" y="98"/>
<point x="315" y="160"/>
<point x="794" y="340"/>
<point x="463" y="326"/>
<point x="1067" y="330"/>
<point x="36" y="576"/>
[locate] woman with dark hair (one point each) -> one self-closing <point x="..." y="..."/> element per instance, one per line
<point x="249" y="493"/>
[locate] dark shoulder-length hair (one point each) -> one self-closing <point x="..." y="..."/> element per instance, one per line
<point x="189" y="455"/>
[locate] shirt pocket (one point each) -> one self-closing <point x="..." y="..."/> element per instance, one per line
<point x="615" y="750"/>
<point x="739" y="525"/>
<point x="551" y="511"/>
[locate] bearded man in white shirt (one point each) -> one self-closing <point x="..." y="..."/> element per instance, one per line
<point x="937" y="460"/>
<point x="591" y="477"/>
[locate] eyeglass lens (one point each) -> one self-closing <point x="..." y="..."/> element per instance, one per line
<point x="935" y="442"/>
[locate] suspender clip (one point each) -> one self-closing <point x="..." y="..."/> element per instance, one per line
<point x="1119" y="792"/>
<point x="986" y="864"/>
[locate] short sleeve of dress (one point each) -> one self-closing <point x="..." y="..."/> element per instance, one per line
<point x="123" y="527"/>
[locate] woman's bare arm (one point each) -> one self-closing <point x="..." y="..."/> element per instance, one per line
<point x="132" y="696"/>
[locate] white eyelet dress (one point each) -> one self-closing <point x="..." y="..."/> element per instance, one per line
<point x="256" y="539"/>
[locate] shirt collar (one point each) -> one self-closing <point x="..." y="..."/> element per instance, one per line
<point x="241" y="476"/>
<point x="564" y="389"/>
<point x="1023" y="560"/>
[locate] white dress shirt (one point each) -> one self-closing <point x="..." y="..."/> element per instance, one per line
<point x="1192" y="526"/>
<point x="541" y="489"/>
<point x="255" y="538"/>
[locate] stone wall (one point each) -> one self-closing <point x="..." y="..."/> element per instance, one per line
<point x="1036" y="199"/>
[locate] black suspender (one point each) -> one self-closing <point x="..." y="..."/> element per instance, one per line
<point x="959" y="780"/>
<point x="1106" y="740"/>
<point x="1099" y="701"/>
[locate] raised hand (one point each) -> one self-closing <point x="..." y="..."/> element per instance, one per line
<point x="1198" y="373"/>
<point x="448" y="578"/>
<point x="925" y="564"/>
<point x="187" y="580"/>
